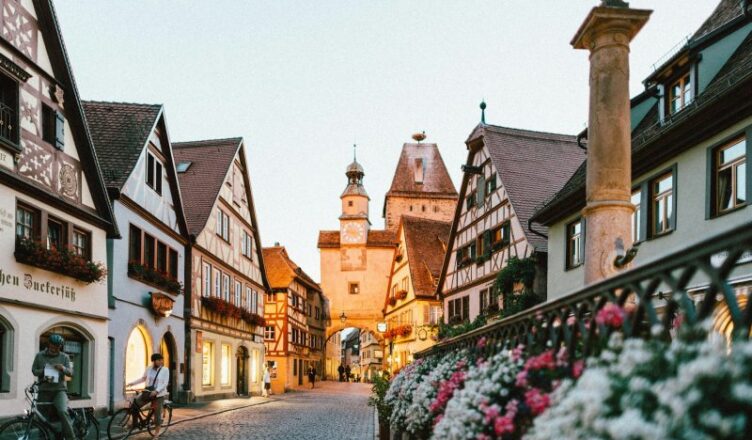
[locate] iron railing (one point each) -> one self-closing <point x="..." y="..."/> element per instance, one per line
<point x="687" y="286"/>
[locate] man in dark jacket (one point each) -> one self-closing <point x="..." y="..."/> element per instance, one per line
<point x="341" y="371"/>
<point x="51" y="366"/>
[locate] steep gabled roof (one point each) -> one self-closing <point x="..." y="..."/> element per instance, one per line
<point x="282" y="271"/>
<point x="726" y="11"/>
<point x="532" y="166"/>
<point x="426" y="244"/>
<point x="201" y="183"/>
<point x="120" y="131"/>
<point x="436" y="181"/>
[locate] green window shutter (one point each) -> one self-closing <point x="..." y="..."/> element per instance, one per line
<point x="472" y="251"/>
<point x="505" y="232"/>
<point x="486" y="243"/>
<point x="674" y="194"/>
<point x="59" y="130"/>
<point x="481" y="190"/>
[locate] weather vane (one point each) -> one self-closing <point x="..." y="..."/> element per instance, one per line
<point x="483" y="112"/>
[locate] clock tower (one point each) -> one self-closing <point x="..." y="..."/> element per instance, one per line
<point x="354" y="223"/>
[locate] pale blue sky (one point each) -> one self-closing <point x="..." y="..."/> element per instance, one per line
<point x="301" y="81"/>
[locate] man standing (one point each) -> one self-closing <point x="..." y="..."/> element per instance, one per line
<point x="347" y="373"/>
<point x="341" y="371"/>
<point x="312" y="375"/>
<point x="156" y="379"/>
<point x="51" y="366"/>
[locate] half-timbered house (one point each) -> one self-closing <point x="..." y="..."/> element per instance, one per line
<point x="54" y="213"/>
<point x="412" y="309"/>
<point x="147" y="266"/>
<point x="295" y="322"/>
<point x="507" y="173"/>
<point x="225" y="281"/>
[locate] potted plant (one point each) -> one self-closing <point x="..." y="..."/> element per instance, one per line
<point x="400" y="295"/>
<point x="63" y="261"/>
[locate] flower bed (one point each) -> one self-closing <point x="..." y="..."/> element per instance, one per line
<point x="225" y="308"/>
<point x="62" y="261"/>
<point x="154" y="277"/>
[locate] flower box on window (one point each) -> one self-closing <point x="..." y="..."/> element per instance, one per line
<point x="402" y="294"/>
<point x="62" y="261"/>
<point x="392" y="301"/>
<point x="225" y="308"/>
<point x="154" y="277"/>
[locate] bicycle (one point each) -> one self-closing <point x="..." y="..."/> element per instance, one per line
<point x="126" y="420"/>
<point x="36" y="426"/>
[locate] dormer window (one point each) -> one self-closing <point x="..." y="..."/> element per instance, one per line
<point x="183" y="166"/>
<point x="680" y="93"/>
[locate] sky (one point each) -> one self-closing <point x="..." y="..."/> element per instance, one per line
<point x="302" y="81"/>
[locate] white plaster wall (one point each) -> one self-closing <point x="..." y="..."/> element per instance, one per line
<point x="161" y="206"/>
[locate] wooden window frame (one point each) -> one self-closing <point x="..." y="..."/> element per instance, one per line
<point x="238" y="293"/>
<point x="206" y="279"/>
<point x="154" y="172"/>
<point x="85" y="251"/>
<point x="14" y="88"/>
<point x="662" y="198"/>
<point x="270" y="333"/>
<point x="716" y="167"/>
<point x="350" y="289"/>
<point x="225" y="287"/>
<point x="246" y="245"/>
<point x="637" y="224"/>
<point x="223" y="225"/>
<point x="572" y="239"/>
<point x="35" y="228"/>
<point x="686" y="94"/>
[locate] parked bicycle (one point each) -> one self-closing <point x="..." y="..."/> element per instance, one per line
<point x="35" y="425"/>
<point x="132" y="419"/>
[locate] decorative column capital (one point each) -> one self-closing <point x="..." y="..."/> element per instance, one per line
<point x="607" y="25"/>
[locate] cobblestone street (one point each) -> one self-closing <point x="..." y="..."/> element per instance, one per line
<point x="332" y="411"/>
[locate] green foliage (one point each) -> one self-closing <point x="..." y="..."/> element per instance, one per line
<point x="450" y="331"/>
<point x="379" y="388"/>
<point x="516" y="271"/>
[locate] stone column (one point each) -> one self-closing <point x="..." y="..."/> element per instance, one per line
<point x="606" y="33"/>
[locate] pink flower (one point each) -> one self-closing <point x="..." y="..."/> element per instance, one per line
<point x="512" y="407"/>
<point x="537" y="401"/>
<point x="611" y="315"/>
<point x="521" y="379"/>
<point x="571" y="320"/>
<point x="517" y="352"/>
<point x="544" y="360"/>
<point x="503" y="425"/>
<point x="483" y="436"/>
<point x="577" y="368"/>
<point x="491" y="413"/>
<point x="481" y="344"/>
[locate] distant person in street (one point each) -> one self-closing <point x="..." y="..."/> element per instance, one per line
<point x="312" y="376"/>
<point x="267" y="383"/>
<point x="347" y="373"/>
<point x="51" y="366"/>
<point x="341" y="371"/>
<point x="157" y="379"/>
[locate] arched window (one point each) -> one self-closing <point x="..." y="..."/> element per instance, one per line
<point x="6" y="358"/>
<point x="136" y="355"/>
<point x="77" y="347"/>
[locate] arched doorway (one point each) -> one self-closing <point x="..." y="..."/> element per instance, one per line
<point x="77" y="348"/>
<point x="241" y="358"/>
<point x="137" y="354"/>
<point x="167" y="349"/>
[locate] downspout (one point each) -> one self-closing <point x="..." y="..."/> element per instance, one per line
<point x="530" y="228"/>
<point x="187" y="318"/>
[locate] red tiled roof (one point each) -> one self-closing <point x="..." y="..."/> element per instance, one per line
<point x="376" y="238"/>
<point x="426" y="243"/>
<point x="436" y="180"/>
<point x="532" y="166"/>
<point x="282" y="271"/>
<point x="200" y="184"/>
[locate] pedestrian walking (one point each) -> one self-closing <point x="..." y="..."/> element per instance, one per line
<point x="312" y="376"/>
<point x="347" y="373"/>
<point x="341" y="371"/>
<point x="267" y="383"/>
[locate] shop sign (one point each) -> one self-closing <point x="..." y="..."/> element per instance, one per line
<point x="200" y="342"/>
<point x="161" y="304"/>
<point x="32" y="284"/>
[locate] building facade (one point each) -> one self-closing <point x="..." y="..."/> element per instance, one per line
<point x="691" y="134"/>
<point x="412" y="308"/>
<point x="225" y="276"/>
<point x="296" y="316"/>
<point x="147" y="265"/>
<point x="333" y="356"/>
<point x="54" y="217"/>
<point x="507" y="173"/>
<point x="371" y="356"/>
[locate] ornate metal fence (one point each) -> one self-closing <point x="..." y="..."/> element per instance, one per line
<point x="687" y="286"/>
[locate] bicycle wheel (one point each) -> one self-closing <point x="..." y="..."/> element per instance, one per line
<point x="23" y="429"/>
<point x="121" y="424"/>
<point x="166" y="419"/>
<point x="92" y="428"/>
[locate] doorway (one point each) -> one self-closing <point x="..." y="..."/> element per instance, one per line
<point x="241" y="387"/>
<point x="300" y="371"/>
<point x="167" y="349"/>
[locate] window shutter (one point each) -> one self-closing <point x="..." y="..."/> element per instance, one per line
<point x="481" y="190"/>
<point x="583" y="224"/>
<point x="465" y="307"/>
<point x="487" y="243"/>
<point x="505" y="228"/>
<point x="59" y="130"/>
<point x="426" y="314"/>
<point x="674" y="194"/>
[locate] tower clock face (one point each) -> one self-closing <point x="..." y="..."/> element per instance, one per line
<point x="353" y="233"/>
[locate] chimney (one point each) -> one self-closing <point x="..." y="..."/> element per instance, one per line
<point x="606" y="33"/>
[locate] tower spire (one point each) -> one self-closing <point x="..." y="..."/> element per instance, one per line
<point x="355" y="152"/>
<point x="483" y="112"/>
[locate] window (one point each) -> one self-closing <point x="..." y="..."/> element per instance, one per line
<point x="207" y="279"/>
<point x="434" y="315"/>
<point x="500" y="236"/>
<point x="575" y="244"/>
<point x="153" y="173"/>
<point x="405" y="284"/>
<point x="48" y="124"/>
<point x="483" y="245"/>
<point x="134" y="244"/>
<point x="223" y="225"/>
<point x="78" y="348"/>
<point x="9" y="110"/>
<point x="247" y="245"/>
<point x="354" y="288"/>
<point x="26" y="222"/>
<point x="173" y="263"/>
<point x="269" y="333"/>
<point x="238" y="291"/>
<point x="81" y="241"/>
<point x="637" y="216"/>
<point x="484" y="300"/>
<point x="207" y="371"/>
<point x="730" y="180"/>
<point x="481" y="190"/>
<point x="226" y="287"/>
<point x="459" y="309"/>
<point x="182" y="167"/>
<point x="680" y="94"/>
<point x="161" y="257"/>
<point x="148" y="250"/>
<point x="254" y="296"/>
<point x="470" y="201"/>
<point x="662" y="195"/>
<point x="225" y="372"/>
<point x="295" y="336"/>
<point x="491" y="184"/>
<point x="295" y="301"/>
<point x="136" y="355"/>
<point x="55" y="234"/>
<point x="217" y="283"/>
<point x="317" y="313"/>
<point x="270" y="297"/>
<point x="466" y="255"/>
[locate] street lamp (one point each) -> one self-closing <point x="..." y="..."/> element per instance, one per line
<point x="342" y="317"/>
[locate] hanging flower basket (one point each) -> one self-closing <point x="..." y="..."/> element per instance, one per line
<point x="62" y="261"/>
<point x="402" y="294"/>
<point x="154" y="277"/>
<point x="392" y="301"/>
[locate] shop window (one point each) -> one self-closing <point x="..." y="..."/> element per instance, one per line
<point x="575" y="244"/>
<point x="225" y="373"/>
<point x="136" y="355"/>
<point x="77" y="348"/>
<point x="254" y="366"/>
<point x="207" y="370"/>
<point x="730" y="176"/>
